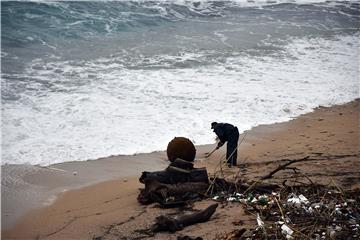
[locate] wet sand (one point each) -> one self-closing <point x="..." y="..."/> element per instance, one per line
<point x="25" y="187"/>
<point x="109" y="210"/>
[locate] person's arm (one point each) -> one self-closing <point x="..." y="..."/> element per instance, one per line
<point x="221" y="134"/>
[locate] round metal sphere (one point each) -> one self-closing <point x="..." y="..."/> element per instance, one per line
<point x="181" y="147"/>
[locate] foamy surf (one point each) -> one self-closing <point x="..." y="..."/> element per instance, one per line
<point x="108" y="91"/>
<point x="141" y="110"/>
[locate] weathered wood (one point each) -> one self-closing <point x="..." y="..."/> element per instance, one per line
<point x="307" y="158"/>
<point x="181" y="163"/>
<point x="282" y="167"/>
<point x="188" y="238"/>
<point x="177" y="170"/>
<point x="170" y="194"/>
<point x="173" y="224"/>
<point x="173" y="177"/>
<point x="198" y="217"/>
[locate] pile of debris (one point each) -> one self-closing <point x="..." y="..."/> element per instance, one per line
<point x="305" y="211"/>
<point x="300" y="212"/>
<point x="297" y="211"/>
<point x="174" y="186"/>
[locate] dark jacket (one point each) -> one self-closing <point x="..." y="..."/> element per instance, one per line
<point x="224" y="131"/>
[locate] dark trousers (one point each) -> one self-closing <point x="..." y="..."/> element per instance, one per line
<point x="231" y="151"/>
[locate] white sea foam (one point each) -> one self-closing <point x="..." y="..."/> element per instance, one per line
<point x="204" y="4"/>
<point x="101" y="108"/>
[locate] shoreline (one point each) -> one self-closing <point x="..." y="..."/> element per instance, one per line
<point x="257" y="148"/>
<point x="28" y="187"/>
<point x="164" y="150"/>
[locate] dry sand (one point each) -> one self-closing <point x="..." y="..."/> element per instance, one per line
<point x="109" y="210"/>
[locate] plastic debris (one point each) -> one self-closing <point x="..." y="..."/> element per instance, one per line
<point x="216" y="197"/>
<point x="332" y="216"/>
<point x="287" y="231"/>
<point x="231" y="199"/>
<point x="303" y="199"/>
<point x="297" y="201"/>
<point x="260" y="222"/>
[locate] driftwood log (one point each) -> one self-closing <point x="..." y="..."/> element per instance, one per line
<point x="172" y="175"/>
<point x="188" y="238"/>
<point x="180" y="163"/>
<point x="170" y="195"/>
<point x="173" y="224"/>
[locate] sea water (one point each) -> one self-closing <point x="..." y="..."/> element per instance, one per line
<point x="83" y="80"/>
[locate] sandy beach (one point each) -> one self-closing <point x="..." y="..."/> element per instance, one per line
<point x="93" y="92"/>
<point x="97" y="199"/>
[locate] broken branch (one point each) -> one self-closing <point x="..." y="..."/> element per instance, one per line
<point x="282" y="167"/>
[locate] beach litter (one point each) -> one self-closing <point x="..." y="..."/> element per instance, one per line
<point x="295" y="211"/>
<point x="285" y="230"/>
<point x="297" y="201"/>
<point x="323" y="214"/>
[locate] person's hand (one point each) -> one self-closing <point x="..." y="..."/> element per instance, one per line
<point x="220" y="144"/>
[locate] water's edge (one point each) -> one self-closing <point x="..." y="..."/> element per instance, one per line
<point x="26" y="187"/>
